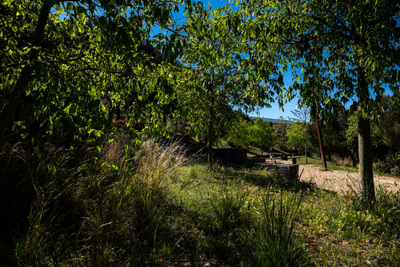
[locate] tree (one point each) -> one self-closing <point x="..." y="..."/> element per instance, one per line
<point x="280" y="132"/>
<point x="341" y="51"/>
<point x="295" y="135"/>
<point x="302" y="115"/>
<point x="239" y="132"/>
<point x="81" y="63"/>
<point x="262" y="134"/>
<point x="217" y="76"/>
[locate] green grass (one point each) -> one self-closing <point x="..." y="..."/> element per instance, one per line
<point x="159" y="209"/>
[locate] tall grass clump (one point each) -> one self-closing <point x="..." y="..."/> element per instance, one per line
<point x="108" y="210"/>
<point x="231" y="210"/>
<point x="229" y="226"/>
<point x="274" y="238"/>
<point x="380" y="217"/>
<point x="155" y="162"/>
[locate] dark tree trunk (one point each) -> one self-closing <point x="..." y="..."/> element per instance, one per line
<point x="365" y="172"/>
<point x="321" y="145"/>
<point x="305" y="142"/>
<point x="211" y="134"/>
<point x="7" y="111"/>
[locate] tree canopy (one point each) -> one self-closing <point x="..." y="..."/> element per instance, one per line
<point x="217" y="75"/>
<point x="340" y="52"/>
<point x="68" y="67"/>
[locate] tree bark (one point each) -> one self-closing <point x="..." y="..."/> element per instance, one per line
<point x="321" y="146"/>
<point x="7" y="111"/>
<point x="211" y="133"/>
<point x="365" y="171"/>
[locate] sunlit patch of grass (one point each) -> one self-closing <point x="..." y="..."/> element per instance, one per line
<point x="348" y="233"/>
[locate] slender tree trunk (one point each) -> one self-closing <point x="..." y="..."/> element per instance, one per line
<point x="305" y="142"/>
<point x="210" y="133"/>
<point x="365" y="172"/>
<point x="7" y="111"/>
<point x="321" y="146"/>
<point x="210" y="156"/>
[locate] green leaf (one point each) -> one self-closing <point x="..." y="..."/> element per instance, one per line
<point x="70" y="6"/>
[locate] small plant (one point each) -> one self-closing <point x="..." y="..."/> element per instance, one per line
<point x="275" y="242"/>
<point x="101" y="216"/>
<point x="393" y="257"/>
<point x="389" y="165"/>
<point x="230" y="210"/>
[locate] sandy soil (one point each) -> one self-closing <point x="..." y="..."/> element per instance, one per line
<point x="339" y="180"/>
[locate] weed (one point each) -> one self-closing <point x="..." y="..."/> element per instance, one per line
<point x="393" y="257"/>
<point x="102" y="216"/>
<point x="231" y="209"/>
<point x="276" y="245"/>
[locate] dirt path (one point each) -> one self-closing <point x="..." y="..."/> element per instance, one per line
<point x="339" y="181"/>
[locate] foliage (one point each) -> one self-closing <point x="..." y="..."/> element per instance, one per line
<point x="280" y="132"/>
<point x="258" y="133"/>
<point x="302" y="114"/>
<point x="295" y="135"/>
<point x="141" y="212"/>
<point x="275" y="243"/>
<point x="388" y="127"/>
<point x="262" y="134"/>
<point x="389" y="165"/>
<point x="347" y="50"/>
<point x="218" y="76"/>
<point x="67" y="83"/>
<point x="352" y="132"/>
<point x="70" y="71"/>
<point x="106" y="216"/>
<point x="230" y="210"/>
<point x="343" y="228"/>
<point x="239" y="132"/>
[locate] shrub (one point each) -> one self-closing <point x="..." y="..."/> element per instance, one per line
<point x="390" y="165"/>
<point x="274" y="239"/>
<point x="101" y="215"/>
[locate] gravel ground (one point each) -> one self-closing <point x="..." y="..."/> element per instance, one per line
<point x="339" y="180"/>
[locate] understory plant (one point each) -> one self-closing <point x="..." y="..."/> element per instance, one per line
<point x="275" y="242"/>
<point x="111" y="211"/>
<point x="389" y="165"/>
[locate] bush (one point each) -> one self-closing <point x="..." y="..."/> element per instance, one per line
<point x="390" y="165"/>
<point x="274" y="239"/>
<point x="108" y="212"/>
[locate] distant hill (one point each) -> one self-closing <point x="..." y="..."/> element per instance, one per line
<point x="275" y="120"/>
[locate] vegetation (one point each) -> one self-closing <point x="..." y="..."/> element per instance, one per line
<point x="346" y="50"/>
<point x="239" y="132"/>
<point x="296" y="135"/>
<point x="257" y="133"/>
<point x="89" y="176"/>
<point x="158" y="208"/>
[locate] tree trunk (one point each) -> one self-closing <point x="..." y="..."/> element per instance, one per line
<point x="365" y="172"/>
<point x="321" y="146"/>
<point x="7" y="111"/>
<point x="210" y="138"/>
<point x="210" y="132"/>
<point x="305" y="142"/>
